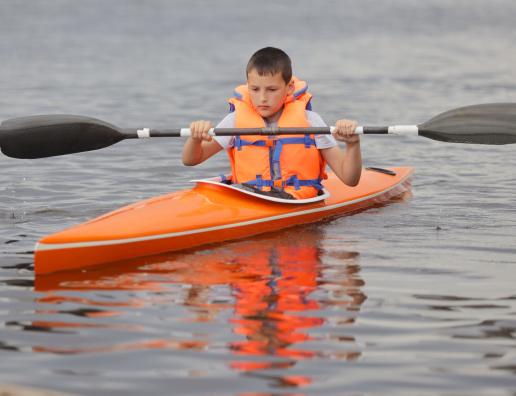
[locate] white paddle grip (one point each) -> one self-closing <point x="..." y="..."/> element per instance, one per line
<point x="359" y="130"/>
<point x="143" y="133"/>
<point x="186" y="132"/>
<point x="404" y="130"/>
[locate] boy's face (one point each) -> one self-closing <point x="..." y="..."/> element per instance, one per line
<point x="268" y="92"/>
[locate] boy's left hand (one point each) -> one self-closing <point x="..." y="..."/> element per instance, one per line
<point x="345" y="131"/>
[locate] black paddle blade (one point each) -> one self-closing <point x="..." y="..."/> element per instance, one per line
<point x="492" y="123"/>
<point x="49" y="135"/>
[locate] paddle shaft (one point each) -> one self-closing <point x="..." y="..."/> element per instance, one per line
<point x="269" y="131"/>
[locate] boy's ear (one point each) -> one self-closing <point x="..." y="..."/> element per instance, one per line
<point x="291" y="87"/>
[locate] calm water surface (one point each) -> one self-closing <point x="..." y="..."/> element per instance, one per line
<point x="415" y="297"/>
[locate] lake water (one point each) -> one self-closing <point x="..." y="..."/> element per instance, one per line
<point x="415" y="297"/>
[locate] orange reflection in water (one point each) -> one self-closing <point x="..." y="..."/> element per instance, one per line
<point x="271" y="279"/>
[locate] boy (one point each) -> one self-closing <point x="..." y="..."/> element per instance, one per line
<point x="283" y="166"/>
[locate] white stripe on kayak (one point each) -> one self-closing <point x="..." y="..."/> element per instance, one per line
<point x="43" y="246"/>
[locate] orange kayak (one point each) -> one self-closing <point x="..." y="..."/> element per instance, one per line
<point x="210" y="212"/>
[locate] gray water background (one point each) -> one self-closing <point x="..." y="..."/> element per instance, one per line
<point x="416" y="297"/>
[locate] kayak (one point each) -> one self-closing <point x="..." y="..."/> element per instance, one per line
<point x="210" y="212"/>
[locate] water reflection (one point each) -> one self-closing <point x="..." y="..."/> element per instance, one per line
<point x="277" y="290"/>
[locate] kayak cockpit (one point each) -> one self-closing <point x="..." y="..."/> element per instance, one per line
<point x="217" y="181"/>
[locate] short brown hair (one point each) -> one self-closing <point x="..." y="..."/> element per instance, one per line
<point x="270" y="60"/>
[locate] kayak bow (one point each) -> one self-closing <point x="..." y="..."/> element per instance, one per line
<point x="208" y="213"/>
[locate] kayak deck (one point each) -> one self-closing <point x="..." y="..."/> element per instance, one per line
<point x="207" y="213"/>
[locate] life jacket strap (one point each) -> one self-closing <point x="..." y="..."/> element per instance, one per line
<point x="307" y="140"/>
<point x="224" y="179"/>
<point x="293" y="180"/>
<point x="239" y="143"/>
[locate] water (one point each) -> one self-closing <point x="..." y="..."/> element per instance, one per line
<point x="416" y="297"/>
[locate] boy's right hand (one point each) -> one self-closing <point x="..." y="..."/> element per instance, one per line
<point x="199" y="130"/>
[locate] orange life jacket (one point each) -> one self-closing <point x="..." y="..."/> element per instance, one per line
<point x="291" y="163"/>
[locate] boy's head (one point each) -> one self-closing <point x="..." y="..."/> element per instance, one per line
<point x="269" y="81"/>
<point x="270" y="60"/>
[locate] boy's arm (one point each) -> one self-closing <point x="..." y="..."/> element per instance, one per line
<point x="347" y="164"/>
<point x="195" y="152"/>
<point x="200" y="145"/>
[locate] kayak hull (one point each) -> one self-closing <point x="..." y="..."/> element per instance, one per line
<point x="207" y="213"/>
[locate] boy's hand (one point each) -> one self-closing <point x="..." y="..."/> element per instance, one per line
<point x="345" y="131"/>
<point x="199" y="130"/>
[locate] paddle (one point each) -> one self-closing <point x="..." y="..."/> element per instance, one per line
<point x="51" y="135"/>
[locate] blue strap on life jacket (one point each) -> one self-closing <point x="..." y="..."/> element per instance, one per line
<point x="238" y="95"/>
<point x="306" y="140"/>
<point x="297" y="183"/>
<point x="300" y="91"/>
<point x="260" y="182"/>
<point x="239" y="142"/>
